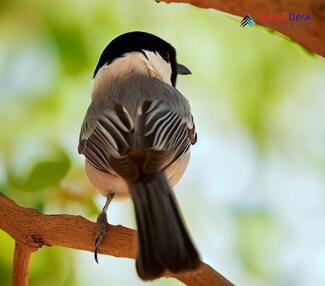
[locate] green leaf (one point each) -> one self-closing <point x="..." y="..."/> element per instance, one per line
<point x="44" y="174"/>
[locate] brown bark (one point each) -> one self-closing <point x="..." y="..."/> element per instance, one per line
<point x="22" y="256"/>
<point x="34" y="230"/>
<point x="312" y="38"/>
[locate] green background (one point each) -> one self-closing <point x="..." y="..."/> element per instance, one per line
<point x="254" y="194"/>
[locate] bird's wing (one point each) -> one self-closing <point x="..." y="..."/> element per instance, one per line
<point x="165" y="133"/>
<point x="145" y="142"/>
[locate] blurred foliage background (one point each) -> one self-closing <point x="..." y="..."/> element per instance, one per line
<point x="253" y="196"/>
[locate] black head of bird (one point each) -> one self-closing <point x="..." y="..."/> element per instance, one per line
<point x="146" y="44"/>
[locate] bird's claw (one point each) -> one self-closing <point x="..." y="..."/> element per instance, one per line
<point x="101" y="223"/>
<point x="98" y="241"/>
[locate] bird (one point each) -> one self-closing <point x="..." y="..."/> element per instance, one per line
<point x="136" y="138"/>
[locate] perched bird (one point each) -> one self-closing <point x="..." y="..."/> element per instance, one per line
<point x="136" y="138"/>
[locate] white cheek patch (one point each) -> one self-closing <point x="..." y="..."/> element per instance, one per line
<point x="154" y="65"/>
<point x="120" y="67"/>
<point x="159" y="65"/>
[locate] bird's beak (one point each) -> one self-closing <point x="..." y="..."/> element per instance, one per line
<point x="181" y="69"/>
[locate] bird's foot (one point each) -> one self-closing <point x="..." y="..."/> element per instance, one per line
<point x="101" y="224"/>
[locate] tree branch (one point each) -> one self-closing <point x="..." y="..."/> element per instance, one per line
<point x="312" y="38"/>
<point x="22" y="256"/>
<point x="30" y="228"/>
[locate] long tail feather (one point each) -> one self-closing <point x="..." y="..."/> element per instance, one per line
<point x="164" y="242"/>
